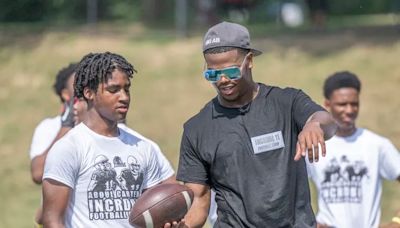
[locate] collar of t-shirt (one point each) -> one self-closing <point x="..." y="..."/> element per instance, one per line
<point x="220" y="111"/>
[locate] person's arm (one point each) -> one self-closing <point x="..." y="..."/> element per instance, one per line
<point x="395" y="223"/>
<point x="170" y="180"/>
<point x="55" y="202"/>
<point x="37" y="163"/>
<point x="198" y="212"/>
<point x="318" y="128"/>
<point x="396" y="218"/>
<point x="67" y="123"/>
<point x="326" y="122"/>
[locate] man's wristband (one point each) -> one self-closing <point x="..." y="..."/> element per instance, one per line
<point x="396" y="219"/>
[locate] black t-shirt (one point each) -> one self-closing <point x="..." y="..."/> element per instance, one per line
<point x="247" y="156"/>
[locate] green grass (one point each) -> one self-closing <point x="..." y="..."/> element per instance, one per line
<point x="169" y="87"/>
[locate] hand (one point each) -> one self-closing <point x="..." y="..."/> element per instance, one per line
<point x="395" y="223"/>
<point x="180" y="224"/>
<point x="308" y="140"/>
<point x="67" y="116"/>
<point x="319" y="225"/>
<point x="390" y="225"/>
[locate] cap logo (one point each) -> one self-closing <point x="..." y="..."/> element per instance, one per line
<point x="212" y="41"/>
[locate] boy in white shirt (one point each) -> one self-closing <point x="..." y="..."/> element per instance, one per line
<point x="50" y="130"/>
<point x="349" y="179"/>
<point x="82" y="184"/>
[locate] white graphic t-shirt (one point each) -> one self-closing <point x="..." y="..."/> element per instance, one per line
<point x="44" y="135"/>
<point x="106" y="175"/>
<point x="166" y="170"/>
<point x="349" y="179"/>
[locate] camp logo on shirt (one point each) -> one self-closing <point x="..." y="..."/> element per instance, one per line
<point x="267" y="142"/>
<point x="114" y="187"/>
<point x="342" y="181"/>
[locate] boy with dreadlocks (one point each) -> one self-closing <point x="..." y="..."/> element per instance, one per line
<point x="95" y="173"/>
<point x="50" y="130"/>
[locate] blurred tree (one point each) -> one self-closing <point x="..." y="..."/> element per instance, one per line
<point x="22" y="10"/>
<point x="158" y="12"/>
<point x="346" y="7"/>
<point x="92" y="8"/>
<point x="181" y="20"/>
<point x="206" y="12"/>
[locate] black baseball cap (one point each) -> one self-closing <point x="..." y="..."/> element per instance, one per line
<point x="227" y="34"/>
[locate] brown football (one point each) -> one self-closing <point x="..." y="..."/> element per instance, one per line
<point x="161" y="204"/>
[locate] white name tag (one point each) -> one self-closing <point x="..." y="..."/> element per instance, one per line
<point x="267" y="142"/>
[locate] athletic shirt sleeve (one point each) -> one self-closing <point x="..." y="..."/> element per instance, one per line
<point x="153" y="170"/>
<point x="303" y="108"/>
<point x="62" y="163"/>
<point x="389" y="167"/>
<point x="166" y="170"/>
<point x="43" y="136"/>
<point x="191" y="168"/>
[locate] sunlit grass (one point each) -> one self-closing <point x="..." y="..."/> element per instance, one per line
<point x="169" y="89"/>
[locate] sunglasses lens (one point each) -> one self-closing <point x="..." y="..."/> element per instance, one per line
<point x="232" y="73"/>
<point x="211" y="75"/>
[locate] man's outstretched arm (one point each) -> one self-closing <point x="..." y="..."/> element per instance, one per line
<point x="318" y="128"/>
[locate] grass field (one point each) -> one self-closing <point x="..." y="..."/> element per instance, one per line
<point x="169" y="87"/>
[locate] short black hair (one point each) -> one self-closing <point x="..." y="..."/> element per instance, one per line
<point x="218" y="50"/>
<point x="96" y="68"/>
<point x="341" y="79"/>
<point x="62" y="77"/>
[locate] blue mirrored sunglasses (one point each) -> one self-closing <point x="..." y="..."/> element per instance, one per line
<point x="232" y="73"/>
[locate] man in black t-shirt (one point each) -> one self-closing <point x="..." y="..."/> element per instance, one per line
<point x="248" y="142"/>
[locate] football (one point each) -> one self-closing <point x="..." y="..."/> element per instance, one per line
<point x="161" y="204"/>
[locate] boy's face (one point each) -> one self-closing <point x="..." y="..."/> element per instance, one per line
<point x="344" y="104"/>
<point x="68" y="92"/>
<point x="80" y="110"/>
<point x="112" y="98"/>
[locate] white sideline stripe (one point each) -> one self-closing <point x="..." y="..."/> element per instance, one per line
<point x="148" y="219"/>
<point x="187" y="199"/>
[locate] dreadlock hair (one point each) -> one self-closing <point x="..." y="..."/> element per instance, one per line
<point x="96" y="68"/>
<point x="223" y="49"/>
<point x="62" y="77"/>
<point x="341" y="79"/>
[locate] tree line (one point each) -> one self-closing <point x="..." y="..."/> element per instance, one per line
<point x="158" y="11"/>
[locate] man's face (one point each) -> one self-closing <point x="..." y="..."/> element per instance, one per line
<point x="344" y="106"/>
<point x="112" y="99"/>
<point x="230" y="90"/>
